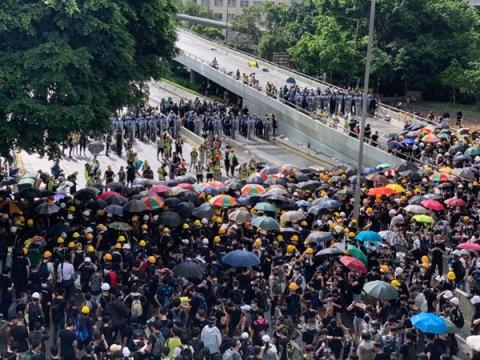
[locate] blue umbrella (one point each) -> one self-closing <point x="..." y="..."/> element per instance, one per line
<point x="394" y="145"/>
<point x="114" y="210"/>
<point x="241" y="258"/>
<point x="408" y="141"/>
<point x="368" y="236"/>
<point x="290" y="80"/>
<point x="327" y="203"/>
<point x="303" y="203"/>
<point x="369" y="170"/>
<point x="429" y="323"/>
<point x="243" y="200"/>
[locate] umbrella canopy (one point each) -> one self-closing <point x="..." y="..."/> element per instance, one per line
<point x="85" y="195"/>
<point x="105" y="195"/>
<point x="172" y="201"/>
<point x="207" y="189"/>
<point x="47" y="209"/>
<point x="265" y="207"/>
<point x="308" y="185"/>
<point x="429" y="323"/>
<point x="329" y="204"/>
<point x="134" y="206"/>
<point x="380" y="290"/>
<point x="330" y="251"/>
<point x="234" y="185"/>
<point x="318" y="237"/>
<point x="292" y="216"/>
<point x="255" y="179"/>
<point x="189" y="270"/>
<point x="407" y="166"/>
<point x="114" y="210"/>
<point x="357" y="254"/>
<point x="368" y="236"/>
<point x="170" y="219"/>
<point x="432" y="205"/>
<point x="184" y="209"/>
<point x="473" y="341"/>
<point x="377" y="179"/>
<point x="159" y="189"/>
<point x="204" y="211"/>
<point x="396" y="187"/>
<point x="470" y="246"/>
<point x="119" y="226"/>
<point x="153" y="202"/>
<point x="389" y="236"/>
<point x="116" y="200"/>
<point x="473" y="151"/>
<point x="266" y="223"/>
<point x="252" y="189"/>
<point x="454" y="202"/>
<point x="466" y="173"/>
<point x="353" y="264"/>
<point x="290" y="80"/>
<point x="223" y="201"/>
<point x="58" y="228"/>
<point x="175" y="191"/>
<point x="382" y="191"/>
<point x="443" y="177"/>
<point x="275" y="197"/>
<point x="423" y="219"/>
<point x="240" y="216"/>
<point x="416" y="209"/>
<point x="241" y="258"/>
<point x="189" y="179"/>
<point x="269" y="170"/>
<point x="10" y="207"/>
<point x="29" y="193"/>
<point x="431" y="138"/>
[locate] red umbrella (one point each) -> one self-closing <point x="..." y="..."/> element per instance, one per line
<point x="432" y="205"/>
<point x="354" y="264"/>
<point x="469" y="246"/>
<point x="381" y="191"/>
<point x="105" y="195"/>
<point x="454" y="202"/>
<point x="158" y="189"/>
<point x="187" y="186"/>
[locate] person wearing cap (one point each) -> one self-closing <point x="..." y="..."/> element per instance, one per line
<point x="211" y="337"/>
<point x="34" y="311"/>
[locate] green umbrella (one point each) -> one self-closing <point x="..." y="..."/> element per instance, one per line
<point x="424" y="219"/>
<point x="266" y="223"/>
<point x="357" y="254"/>
<point x="265" y="206"/>
<point x="380" y="290"/>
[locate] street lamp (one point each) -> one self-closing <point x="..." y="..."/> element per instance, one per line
<point x="356" y="205"/>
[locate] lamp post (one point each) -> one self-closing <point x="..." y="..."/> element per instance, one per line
<point x="226" y="24"/>
<point x="356" y="205"/>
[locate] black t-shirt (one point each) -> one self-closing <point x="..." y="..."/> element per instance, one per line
<point x="19" y="334"/>
<point x="58" y="309"/>
<point x="67" y="337"/>
<point x="436" y="349"/>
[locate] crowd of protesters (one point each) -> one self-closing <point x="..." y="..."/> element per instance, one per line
<point x="138" y="266"/>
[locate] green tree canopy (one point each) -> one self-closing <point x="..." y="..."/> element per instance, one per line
<point x="68" y="65"/>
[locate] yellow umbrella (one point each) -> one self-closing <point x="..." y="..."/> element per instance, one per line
<point x="396" y="187"/>
<point x="447" y="170"/>
<point x="253" y="63"/>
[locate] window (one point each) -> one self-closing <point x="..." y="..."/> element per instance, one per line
<point x="243" y="3"/>
<point x="257" y="3"/>
<point x="218" y="16"/>
<point x="232" y="3"/>
<point x="231" y="17"/>
<point x="206" y="3"/>
<point x="218" y="3"/>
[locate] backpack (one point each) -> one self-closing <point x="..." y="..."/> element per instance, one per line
<point x="457" y="319"/>
<point x="276" y="285"/>
<point x="96" y="284"/>
<point x="81" y="332"/>
<point x="165" y="329"/>
<point x="158" y="345"/>
<point x="136" y="309"/>
<point x="389" y="345"/>
<point x="43" y="271"/>
<point x="34" y="313"/>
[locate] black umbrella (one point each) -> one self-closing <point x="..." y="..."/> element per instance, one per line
<point x="190" y="197"/>
<point x="275" y="181"/>
<point x="416" y="200"/>
<point x="204" y="211"/>
<point x="58" y="228"/>
<point x="275" y="197"/>
<point x="30" y="193"/>
<point x="116" y="186"/>
<point x="186" y="179"/>
<point x="114" y="210"/>
<point x="458" y="148"/>
<point x="97" y="204"/>
<point x="134" y="206"/>
<point x="345" y="192"/>
<point x="85" y="195"/>
<point x="189" y="270"/>
<point x="407" y="166"/>
<point x="318" y="237"/>
<point x="119" y="226"/>
<point x="234" y="185"/>
<point x="331" y="251"/>
<point x="116" y="200"/>
<point x="254" y="179"/>
<point x="47" y="209"/>
<point x="310" y="185"/>
<point x="169" y="218"/>
<point x="184" y="209"/>
<point x="172" y="201"/>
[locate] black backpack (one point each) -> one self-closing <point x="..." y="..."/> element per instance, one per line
<point x="34" y="313"/>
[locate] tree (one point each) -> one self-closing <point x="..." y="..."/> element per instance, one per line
<point x="246" y="24"/>
<point x="471" y="81"/>
<point x="453" y="77"/>
<point x="68" y="65"/>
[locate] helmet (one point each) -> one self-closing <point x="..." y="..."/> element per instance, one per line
<point x="145" y="227"/>
<point x="280" y="237"/>
<point x="142" y="243"/>
<point x="294" y="238"/>
<point x="293" y="286"/>
<point x="107" y="257"/>
<point x="126" y="247"/>
<point x="451" y="276"/>
<point x="75" y="235"/>
<point x="216" y="239"/>
<point x="100" y="227"/>
<point x="185" y="226"/>
<point x="351" y="234"/>
<point x="47" y="254"/>
<point x="25" y="251"/>
<point x="395" y="283"/>
<point x="166" y="230"/>
<point x="466" y="218"/>
<point x="60" y="240"/>
<point x="118" y="246"/>
<point x="90" y="249"/>
<point x="222" y="231"/>
<point x="152" y="259"/>
<point x="105" y="287"/>
<point x="89" y="236"/>
<point x="384" y="268"/>
<point x="30" y="222"/>
<point x="304" y="223"/>
<point x="85" y="310"/>
<point x="197" y="223"/>
<point x="219" y="220"/>
<point x="290" y="248"/>
<point x="71" y="209"/>
<point x="257" y="243"/>
<point x="425" y="259"/>
<point x="309" y="251"/>
<point x="35" y="295"/>
<point x="121" y="238"/>
<point x="71" y="245"/>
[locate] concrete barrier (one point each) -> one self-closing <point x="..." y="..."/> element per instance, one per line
<point x="191" y="138"/>
<point x="292" y="123"/>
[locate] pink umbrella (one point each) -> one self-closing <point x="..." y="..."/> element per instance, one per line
<point x="158" y="189"/>
<point x="354" y="264"/>
<point x="454" y="202"/>
<point x="105" y="195"/>
<point x="471" y="246"/>
<point x="187" y="186"/>
<point x="432" y="205"/>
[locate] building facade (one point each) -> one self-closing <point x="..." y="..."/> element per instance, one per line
<point x="228" y="9"/>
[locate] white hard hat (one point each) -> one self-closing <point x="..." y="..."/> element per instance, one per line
<point x="266" y="338"/>
<point x="205" y="241"/>
<point x="35" y="295"/>
<point x="126" y="246"/>
<point x="245" y="335"/>
<point x="455" y="301"/>
<point x="88" y="259"/>
<point x="105" y="287"/>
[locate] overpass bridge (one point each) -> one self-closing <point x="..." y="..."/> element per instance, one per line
<point x="197" y="53"/>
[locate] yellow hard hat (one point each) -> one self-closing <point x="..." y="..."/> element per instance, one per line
<point x="60" y="240"/>
<point x="425" y="259"/>
<point x="166" y="230"/>
<point x="257" y="243"/>
<point x="121" y="238"/>
<point x="222" y="231"/>
<point x="75" y="235"/>
<point x="384" y="268"/>
<point x="90" y="249"/>
<point x="100" y="227"/>
<point x="107" y="257"/>
<point x="197" y="223"/>
<point x="71" y="245"/>
<point x="47" y="254"/>
<point x="304" y="223"/>
<point x="142" y="243"/>
<point x="425" y="266"/>
<point x="71" y="209"/>
<point x="219" y="220"/>
<point x="451" y="276"/>
<point x="30" y="222"/>
<point x="186" y="226"/>
<point x="216" y="239"/>
<point x="466" y="218"/>
<point x="89" y="236"/>
<point x="293" y="286"/>
<point x="351" y="234"/>
<point x="290" y="248"/>
<point x="369" y="210"/>
<point x="309" y="251"/>
<point x="395" y="283"/>
<point x="152" y="259"/>
<point x="280" y="237"/>
<point x="25" y="251"/>
<point x="294" y="238"/>
<point x="145" y="227"/>
<point x="118" y="246"/>
<point x="85" y="310"/>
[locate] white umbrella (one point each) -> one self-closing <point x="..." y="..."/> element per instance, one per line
<point x="390" y="236"/>
<point x="474" y="342"/>
<point x="416" y="209"/>
<point x="292" y="216"/>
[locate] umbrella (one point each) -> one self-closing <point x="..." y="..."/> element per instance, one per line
<point x="204" y="211"/>
<point x="318" y="237"/>
<point x="134" y="206"/>
<point x="29" y="193"/>
<point x="276" y="198"/>
<point x="330" y="251"/>
<point x="241" y="258"/>
<point x="308" y="185"/>
<point x="266" y="223"/>
<point x="377" y="178"/>
<point x="85" y="195"/>
<point x="159" y="189"/>
<point x="292" y="216"/>
<point x="172" y="202"/>
<point x="187" y="186"/>
<point x="207" y="189"/>
<point x="223" y="201"/>
<point x="380" y="290"/>
<point x="466" y="173"/>
<point x="234" y="185"/>
<point x="432" y="205"/>
<point x="389" y="235"/>
<point x="442" y="177"/>
<point x="316" y="210"/>
<point x="429" y="323"/>
<point x="265" y="207"/>
<point x="473" y="341"/>
<point x="396" y="187"/>
<point x="431" y="138"/>
<point x="116" y="186"/>
<point x="240" y="216"/>
<point x="416" y="209"/>
<point x="416" y="200"/>
<point x="186" y="179"/>
<point x="454" y="201"/>
<point x="114" y="210"/>
<point x="119" y="226"/>
<point x="329" y="204"/>
<point x="345" y="192"/>
<point x="381" y="191"/>
<point x="116" y="200"/>
<point x="269" y="170"/>
<point x="368" y="236"/>
<point x="461" y="147"/>
<point x="424" y="219"/>
<point x="433" y="196"/>
<point x="473" y="151"/>
<point x="175" y="191"/>
<point x="255" y="179"/>
<point x="188" y="270"/>
<point x="47" y="209"/>
<point x="407" y="166"/>
<point x="275" y="181"/>
<point x="471" y="246"/>
<point x="252" y="189"/>
<point x="105" y="195"/>
<point x="153" y="202"/>
<point x="303" y="204"/>
<point x="169" y="218"/>
<point x="353" y="264"/>
<point x="290" y="80"/>
<point x="58" y="228"/>
<point x="357" y="254"/>
<point x="184" y="209"/>
<point x="395" y="145"/>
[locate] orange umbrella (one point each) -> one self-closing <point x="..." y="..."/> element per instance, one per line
<point x="379" y="191"/>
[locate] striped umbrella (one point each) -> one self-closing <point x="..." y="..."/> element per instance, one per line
<point x="223" y="201"/>
<point x="252" y="189"/>
<point x="153" y="202"/>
